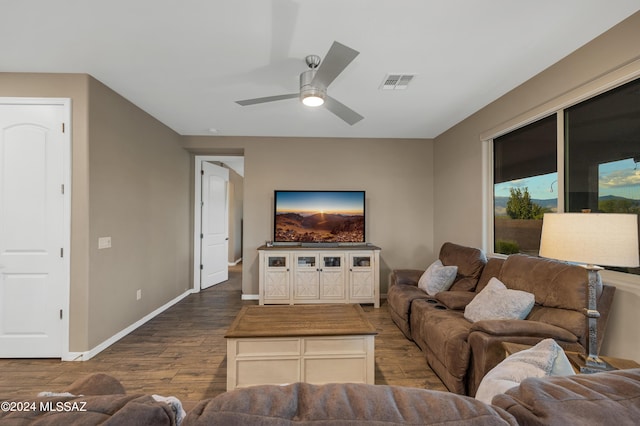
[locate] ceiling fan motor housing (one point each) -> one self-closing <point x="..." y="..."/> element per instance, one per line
<point x="307" y="89"/>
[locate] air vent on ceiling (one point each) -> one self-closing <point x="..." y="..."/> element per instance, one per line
<point x="396" y="81"/>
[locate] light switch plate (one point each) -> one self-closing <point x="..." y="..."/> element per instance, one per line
<point x="104" y="242"/>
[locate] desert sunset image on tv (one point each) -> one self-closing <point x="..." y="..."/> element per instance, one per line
<point x="319" y="216"/>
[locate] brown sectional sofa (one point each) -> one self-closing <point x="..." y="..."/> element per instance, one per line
<point x="603" y="398"/>
<point x="462" y="352"/>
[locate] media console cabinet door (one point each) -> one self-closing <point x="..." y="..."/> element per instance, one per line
<point x="275" y="277"/>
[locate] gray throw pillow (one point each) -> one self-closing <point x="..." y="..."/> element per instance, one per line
<point x="437" y="278"/>
<point x="496" y="302"/>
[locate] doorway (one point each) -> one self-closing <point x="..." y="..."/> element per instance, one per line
<point x="218" y="196"/>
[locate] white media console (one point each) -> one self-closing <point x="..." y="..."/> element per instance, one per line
<point x="313" y="274"/>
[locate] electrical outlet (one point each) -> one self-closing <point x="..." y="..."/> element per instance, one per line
<point x="138" y="294"/>
<point x="104" y="242"/>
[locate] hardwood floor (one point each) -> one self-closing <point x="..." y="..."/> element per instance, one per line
<point x="182" y="352"/>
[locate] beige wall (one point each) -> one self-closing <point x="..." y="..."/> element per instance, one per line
<point x="459" y="167"/>
<point x="140" y="183"/>
<point x="397" y="175"/>
<point x="131" y="181"/>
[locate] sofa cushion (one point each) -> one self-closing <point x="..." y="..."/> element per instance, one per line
<point x="571" y="321"/>
<point x="117" y="409"/>
<point x="554" y="284"/>
<point x="490" y="270"/>
<point x="496" y="302"/>
<point x="544" y="359"/>
<point x="342" y="404"/>
<point x="470" y="262"/>
<point x="611" y="398"/>
<point x="437" y="278"/>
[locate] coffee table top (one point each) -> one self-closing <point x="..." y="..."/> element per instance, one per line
<point x="300" y="320"/>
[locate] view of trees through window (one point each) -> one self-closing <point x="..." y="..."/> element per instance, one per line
<point x="525" y="185"/>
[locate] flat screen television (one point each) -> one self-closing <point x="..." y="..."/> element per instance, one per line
<point x="319" y="216"/>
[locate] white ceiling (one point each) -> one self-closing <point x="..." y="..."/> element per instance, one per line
<point x="186" y="62"/>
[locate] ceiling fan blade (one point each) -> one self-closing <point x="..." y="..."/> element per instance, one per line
<point x="267" y="99"/>
<point x="336" y="60"/>
<point x="342" y="111"/>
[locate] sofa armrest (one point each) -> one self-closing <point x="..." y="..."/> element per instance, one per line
<point x="405" y="276"/>
<point x="604" y="398"/>
<point x="456" y="300"/>
<point x="523" y="328"/>
<point x="486" y="338"/>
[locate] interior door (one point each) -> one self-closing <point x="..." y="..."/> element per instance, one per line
<point x="33" y="278"/>
<point x="214" y="249"/>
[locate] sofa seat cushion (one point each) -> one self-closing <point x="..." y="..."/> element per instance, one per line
<point x="342" y="404"/>
<point x="611" y="398"/>
<point x="523" y="328"/>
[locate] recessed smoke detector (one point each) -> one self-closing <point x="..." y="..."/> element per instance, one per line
<point x="396" y="81"/>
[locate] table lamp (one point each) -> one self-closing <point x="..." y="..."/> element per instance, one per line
<point x="607" y="239"/>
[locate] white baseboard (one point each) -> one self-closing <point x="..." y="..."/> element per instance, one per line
<point x="87" y="355"/>
<point x="235" y="262"/>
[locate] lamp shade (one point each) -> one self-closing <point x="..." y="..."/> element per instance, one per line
<point x="605" y="239"/>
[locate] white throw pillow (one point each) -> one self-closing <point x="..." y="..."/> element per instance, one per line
<point x="544" y="359"/>
<point x="437" y="278"/>
<point x="496" y="301"/>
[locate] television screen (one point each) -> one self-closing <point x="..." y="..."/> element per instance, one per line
<point x="319" y="216"/>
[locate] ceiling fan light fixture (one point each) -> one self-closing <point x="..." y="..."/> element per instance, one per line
<point x="310" y="95"/>
<point x="313" y="100"/>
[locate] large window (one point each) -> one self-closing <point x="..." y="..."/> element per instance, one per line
<point x="602" y="139"/>
<point x="601" y="167"/>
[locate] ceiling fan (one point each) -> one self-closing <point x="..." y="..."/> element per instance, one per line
<point x="315" y="80"/>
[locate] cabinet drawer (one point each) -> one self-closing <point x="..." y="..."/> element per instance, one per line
<point x="323" y="346"/>
<point x="267" y="371"/>
<point x="264" y="347"/>
<point x="335" y="370"/>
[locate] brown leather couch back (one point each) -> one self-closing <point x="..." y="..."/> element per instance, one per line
<point x="554" y="284"/>
<point x="470" y="262"/>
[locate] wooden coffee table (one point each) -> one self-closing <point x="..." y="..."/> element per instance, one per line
<point x="300" y="343"/>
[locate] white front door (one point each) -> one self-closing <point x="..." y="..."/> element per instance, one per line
<point x="34" y="286"/>
<point x="214" y="249"/>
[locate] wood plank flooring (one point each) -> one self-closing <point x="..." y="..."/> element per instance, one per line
<point x="182" y="352"/>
